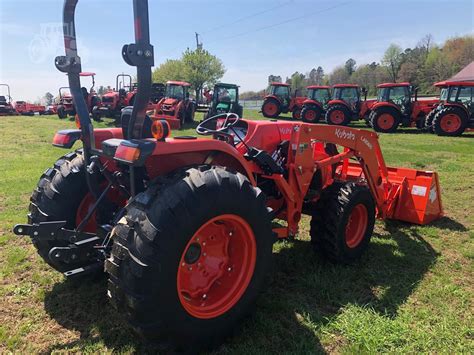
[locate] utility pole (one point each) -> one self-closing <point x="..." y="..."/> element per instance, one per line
<point x="198" y="44"/>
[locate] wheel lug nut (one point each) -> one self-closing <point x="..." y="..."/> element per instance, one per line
<point x="229" y="269"/>
<point x="190" y="269"/>
<point x="183" y="264"/>
<point x="231" y="234"/>
<point x="204" y="244"/>
<point x="204" y="296"/>
<point x="204" y="254"/>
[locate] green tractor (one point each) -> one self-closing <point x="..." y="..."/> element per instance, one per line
<point x="225" y="99"/>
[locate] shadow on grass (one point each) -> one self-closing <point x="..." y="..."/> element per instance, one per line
<point x="306" y="293"/>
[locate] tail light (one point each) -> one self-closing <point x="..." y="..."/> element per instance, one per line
<point x="134" y="152"/>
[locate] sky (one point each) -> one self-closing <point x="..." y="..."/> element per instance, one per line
<point x="253" y="38"/>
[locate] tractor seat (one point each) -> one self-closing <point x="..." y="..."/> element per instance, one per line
<point x="125" y="123"/>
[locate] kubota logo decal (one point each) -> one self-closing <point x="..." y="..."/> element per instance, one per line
<point x="366" y="142"/>
<point x="342" y="133"/>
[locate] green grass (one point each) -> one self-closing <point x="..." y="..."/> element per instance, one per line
<point x="412" y="291"/>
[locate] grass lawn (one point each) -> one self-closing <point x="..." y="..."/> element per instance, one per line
<point x="412" y="292"/>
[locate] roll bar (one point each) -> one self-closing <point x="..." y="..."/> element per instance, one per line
<point x="139" y="54"/>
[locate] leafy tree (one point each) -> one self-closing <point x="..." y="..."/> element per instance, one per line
<point x="339" y="76"/>
<point x="392" y="59"/>
<point x="201" y="67"/>
<point x="274" y="79"/>
<point x="171" y="69"/>
<point x="350" y="66"/>
<point x="48" y="98"/>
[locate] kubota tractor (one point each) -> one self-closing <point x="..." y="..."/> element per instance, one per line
<point x="66" y="105"/>
<point x="184" y="225"/>
<point x="314" y="107"/>
<point x="455" y="112"/>
<point x="6" y="107"/>
<point x="280" y="100"/>
<point x="225" y="99"/>
<point x="398" y="104"/>
<point x="176" y="107"/>
<point x="346" y="105"/>
<point x="115" y="100"/>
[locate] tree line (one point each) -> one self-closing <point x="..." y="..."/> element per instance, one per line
<point x="422" y="66"/>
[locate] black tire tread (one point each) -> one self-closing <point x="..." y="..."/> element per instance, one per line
<point x="340" y="107"/>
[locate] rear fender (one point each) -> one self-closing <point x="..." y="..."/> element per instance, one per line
<point x="268" y="97"/>
<point x="66" y="138"/>
<point x="385" y="104"/>
<point x="460" y="106"/>
<point x="309" y="102"/>
<point x="338" y="102"/>
<point x="180" y="153"/>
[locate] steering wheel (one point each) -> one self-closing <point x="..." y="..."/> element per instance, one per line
<point x="206" y="129"/>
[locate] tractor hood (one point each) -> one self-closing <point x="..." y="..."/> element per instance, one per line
<point x="170" y="101"/>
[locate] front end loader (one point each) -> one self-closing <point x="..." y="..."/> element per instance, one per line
<point x="183" y="226"/>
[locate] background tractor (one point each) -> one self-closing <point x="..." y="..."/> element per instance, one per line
<point x="347" y="105"/>
<point x="225" y="99"/>
<point x="66" y="103"/>
<point x="280" y="100"/>
<point x="398" y="104"/>
<point x="27" y="109"/>
<point x="455" y="112"/>
<point x="184" y="225"/>
<point x="115" y="100"/>
<point x="314" y="107"/>
<point x="6" y="107"/>
<point x="176" y="107"/>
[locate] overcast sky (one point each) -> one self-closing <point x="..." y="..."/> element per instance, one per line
<point x="253" y="38"/>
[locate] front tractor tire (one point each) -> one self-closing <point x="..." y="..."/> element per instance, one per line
<point x="338" y="115"/>
<point x="190" y="257"/>
<point x="296" y="113"/>
<point x="271" y="108"/>
<point x="384" y="120"/>
<point x="450" y="121"/>
<point x="343" y="222"/>
<point x="311" y="114"/>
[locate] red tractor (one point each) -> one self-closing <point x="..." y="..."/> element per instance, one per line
<point x="455" y="113"/>
<point x="66" y="103"/>
<point x="346" y="105"/>
<point x="115" y="100"/>
<point x="184" y="225"/>
<point x="280" y="100"/>
<point x="27" y="109"/>
<point x="176" y="107"/>
<point x="6" y="107"/>
<point x="398" y="104"/>
<point x="314" y="107"/>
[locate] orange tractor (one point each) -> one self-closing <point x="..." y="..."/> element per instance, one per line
<point x="398" y="104"/>
<point x="66" y="105"/>
<point x="184" y="225"/>
<point x="280" y="100"/>
<point x="346" y="105"/>
<point x="314" y="107"/>
<point x="176" y="107"/>
<point x="115" y="100"/>
<point x="455" y="113"/>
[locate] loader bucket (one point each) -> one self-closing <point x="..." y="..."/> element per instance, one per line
<point x="418" y="197"/>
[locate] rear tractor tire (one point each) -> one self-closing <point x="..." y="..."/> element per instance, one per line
<point x="271" y="108"/>
<point x="61" y="112"/>
<point x="59" y="193"/>
<point x="338" y="115"/>
<point x="311" y="114"/>
<point x="385" y="120"/>
<point x="450" y="121"/>
<point x="343" y="222"/>
<point x="185" y="272"/>
<point x="429" y="120"/>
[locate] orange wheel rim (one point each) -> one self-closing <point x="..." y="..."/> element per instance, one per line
<point x="271" y="108"/>
<point x="356" y="226"/>
<point x="386" y="121"/>
<point x="450" y="123"/>
<point x="337" y="116"/>
<point x="216" y="266"/>
<point x="311" y="115"/>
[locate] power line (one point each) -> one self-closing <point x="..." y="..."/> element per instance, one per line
<point x="247" y="17"/>
<point x="279" y="23"/>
